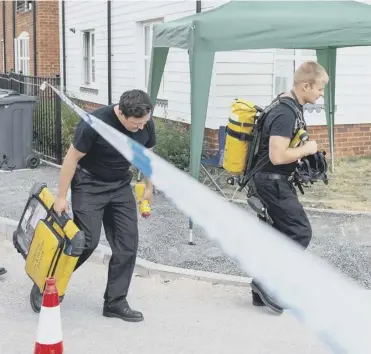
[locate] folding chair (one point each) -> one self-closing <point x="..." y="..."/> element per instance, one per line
<point x="216" y="162"/>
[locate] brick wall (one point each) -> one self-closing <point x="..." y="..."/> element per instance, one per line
<point x="350" y="139"/>
<point x="8" y="34"/>
<point x="47" y="22"/>
<point x="47" y="26"/>
<point x="89" y="106"/>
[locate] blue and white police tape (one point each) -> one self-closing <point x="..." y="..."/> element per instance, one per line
<point x="331" y="304"/>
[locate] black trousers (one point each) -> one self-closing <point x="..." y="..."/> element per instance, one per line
<point x="114" y="204"/>
<point x="284" y="208"/>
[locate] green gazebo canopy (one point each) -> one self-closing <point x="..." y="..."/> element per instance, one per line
<point x="240" y="25"/>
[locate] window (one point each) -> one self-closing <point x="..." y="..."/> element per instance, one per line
<point x="147" y="52"/>
<point x="22" y="54"/>
<point x="23" y="6"/>
<point x="287" y="61"/>
<point x="89" y="76"/>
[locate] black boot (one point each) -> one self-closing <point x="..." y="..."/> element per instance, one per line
<point x="265" y="298"/>
<point x="121" y="309"/>
<point x="2" y="271"/>
<point x="256" y="300"/>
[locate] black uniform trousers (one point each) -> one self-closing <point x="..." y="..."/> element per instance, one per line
<point x="284" y="208"/>
<point x="114" y="204"/>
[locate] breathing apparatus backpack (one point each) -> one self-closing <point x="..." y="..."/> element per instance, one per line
<point x="239" y="135"/>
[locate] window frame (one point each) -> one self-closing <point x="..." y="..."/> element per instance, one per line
<point x="22" y="54"/>
<point x="24" y="5"/>
<point x="89" y="70"/>
<point x="146" y="58"/>
<point x="297" y="58"/>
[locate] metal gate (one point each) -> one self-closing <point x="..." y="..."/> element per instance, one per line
<point x="47" y="118"/>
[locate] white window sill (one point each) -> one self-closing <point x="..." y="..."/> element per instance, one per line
<point x="91" y="89"/>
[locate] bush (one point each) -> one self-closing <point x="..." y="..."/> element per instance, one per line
<point x="173" y="142"/>
<point x="69" y="122"/>
<point x="173" y="138"/>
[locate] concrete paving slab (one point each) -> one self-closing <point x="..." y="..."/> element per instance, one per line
<point x="181" y="316"/>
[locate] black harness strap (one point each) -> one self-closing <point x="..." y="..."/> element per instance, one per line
<point x="239" y="135"/>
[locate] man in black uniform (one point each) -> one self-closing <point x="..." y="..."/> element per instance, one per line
<point x="271" y="182"/>
<point x="101" y="192"/>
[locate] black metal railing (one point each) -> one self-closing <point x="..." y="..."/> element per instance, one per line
<point x="47" y="117"/>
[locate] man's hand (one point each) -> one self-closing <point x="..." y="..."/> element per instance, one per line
<point x="310" y="147"/>
<point x="148" y="193"/>
<point x="60" y="205"/>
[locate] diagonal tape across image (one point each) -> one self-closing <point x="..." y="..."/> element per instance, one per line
<point x="329" y="303"/>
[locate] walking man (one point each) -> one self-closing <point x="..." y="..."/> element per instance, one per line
<point x="271" y="182"/>
<point x="100" y="192"/>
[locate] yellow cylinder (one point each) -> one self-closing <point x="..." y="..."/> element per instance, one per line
<point x="300" y="136"/>
<point x="144" y="206"/>
<point x="240" y="126"/>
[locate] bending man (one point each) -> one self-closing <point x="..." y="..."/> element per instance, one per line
<point x="101" y="192"/>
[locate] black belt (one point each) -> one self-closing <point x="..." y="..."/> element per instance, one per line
<point x="273" y="176"/>
<point x="84" y="170"/>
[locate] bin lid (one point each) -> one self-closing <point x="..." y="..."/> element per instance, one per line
<point x="5" y="93"/>
<point x="10" y="96"/>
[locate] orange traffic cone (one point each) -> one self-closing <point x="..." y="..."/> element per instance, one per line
<point x="49" y="332"/>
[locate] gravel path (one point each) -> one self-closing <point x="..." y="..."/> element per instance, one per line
<point x="344" y="240"/>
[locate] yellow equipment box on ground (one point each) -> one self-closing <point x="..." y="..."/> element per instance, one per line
<point x="50" y="244"/>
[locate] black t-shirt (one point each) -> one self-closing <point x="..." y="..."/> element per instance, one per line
<point x="102" y="160"/>
<point x="280" y="121"/>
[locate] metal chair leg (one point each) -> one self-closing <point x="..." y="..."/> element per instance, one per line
<point x="216" y="185"/>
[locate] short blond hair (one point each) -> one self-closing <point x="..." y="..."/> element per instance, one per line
<point x="309" y="72"/>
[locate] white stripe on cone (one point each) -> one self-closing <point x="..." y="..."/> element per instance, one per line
<point x="49" y="330"/>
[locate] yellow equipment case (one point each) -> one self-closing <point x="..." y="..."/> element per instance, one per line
<point x="239" y="135"/>
<point x="50" y="244"/>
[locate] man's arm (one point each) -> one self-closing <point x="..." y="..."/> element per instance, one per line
<point x="280" y="153"/>
<point x="280" y="136"/>
<point x="148" y="193"/>
<point x="83" y="140"/>
<point x="68" y="170"/>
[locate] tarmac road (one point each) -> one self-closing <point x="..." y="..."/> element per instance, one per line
<point x="182" y="316"/>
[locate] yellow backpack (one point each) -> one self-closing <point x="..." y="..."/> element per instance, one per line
<point x="239" y="134"/>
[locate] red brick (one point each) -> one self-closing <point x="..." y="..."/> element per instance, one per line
<point x="47" y="26"/>
<point x="350" y="139"/>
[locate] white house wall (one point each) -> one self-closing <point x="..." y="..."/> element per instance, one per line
<point x="80" y="16"/>
<point x="247" y="74"/>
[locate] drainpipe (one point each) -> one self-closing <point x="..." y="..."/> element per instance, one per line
<point x="109" y="51"/>
<point x="34" y="38"/>
<point x="4" y="36"/>
<point x="198" y="6"/>
<point x="64" y="46"/>
<point x="14" y="3"/>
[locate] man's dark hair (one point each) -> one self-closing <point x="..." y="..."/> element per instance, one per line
<point x="135" y="103"/>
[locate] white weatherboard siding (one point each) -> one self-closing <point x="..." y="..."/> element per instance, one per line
<point x="81" y="16"/>
<point x="249" y="74"/>
<point x="128" y="19"/>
